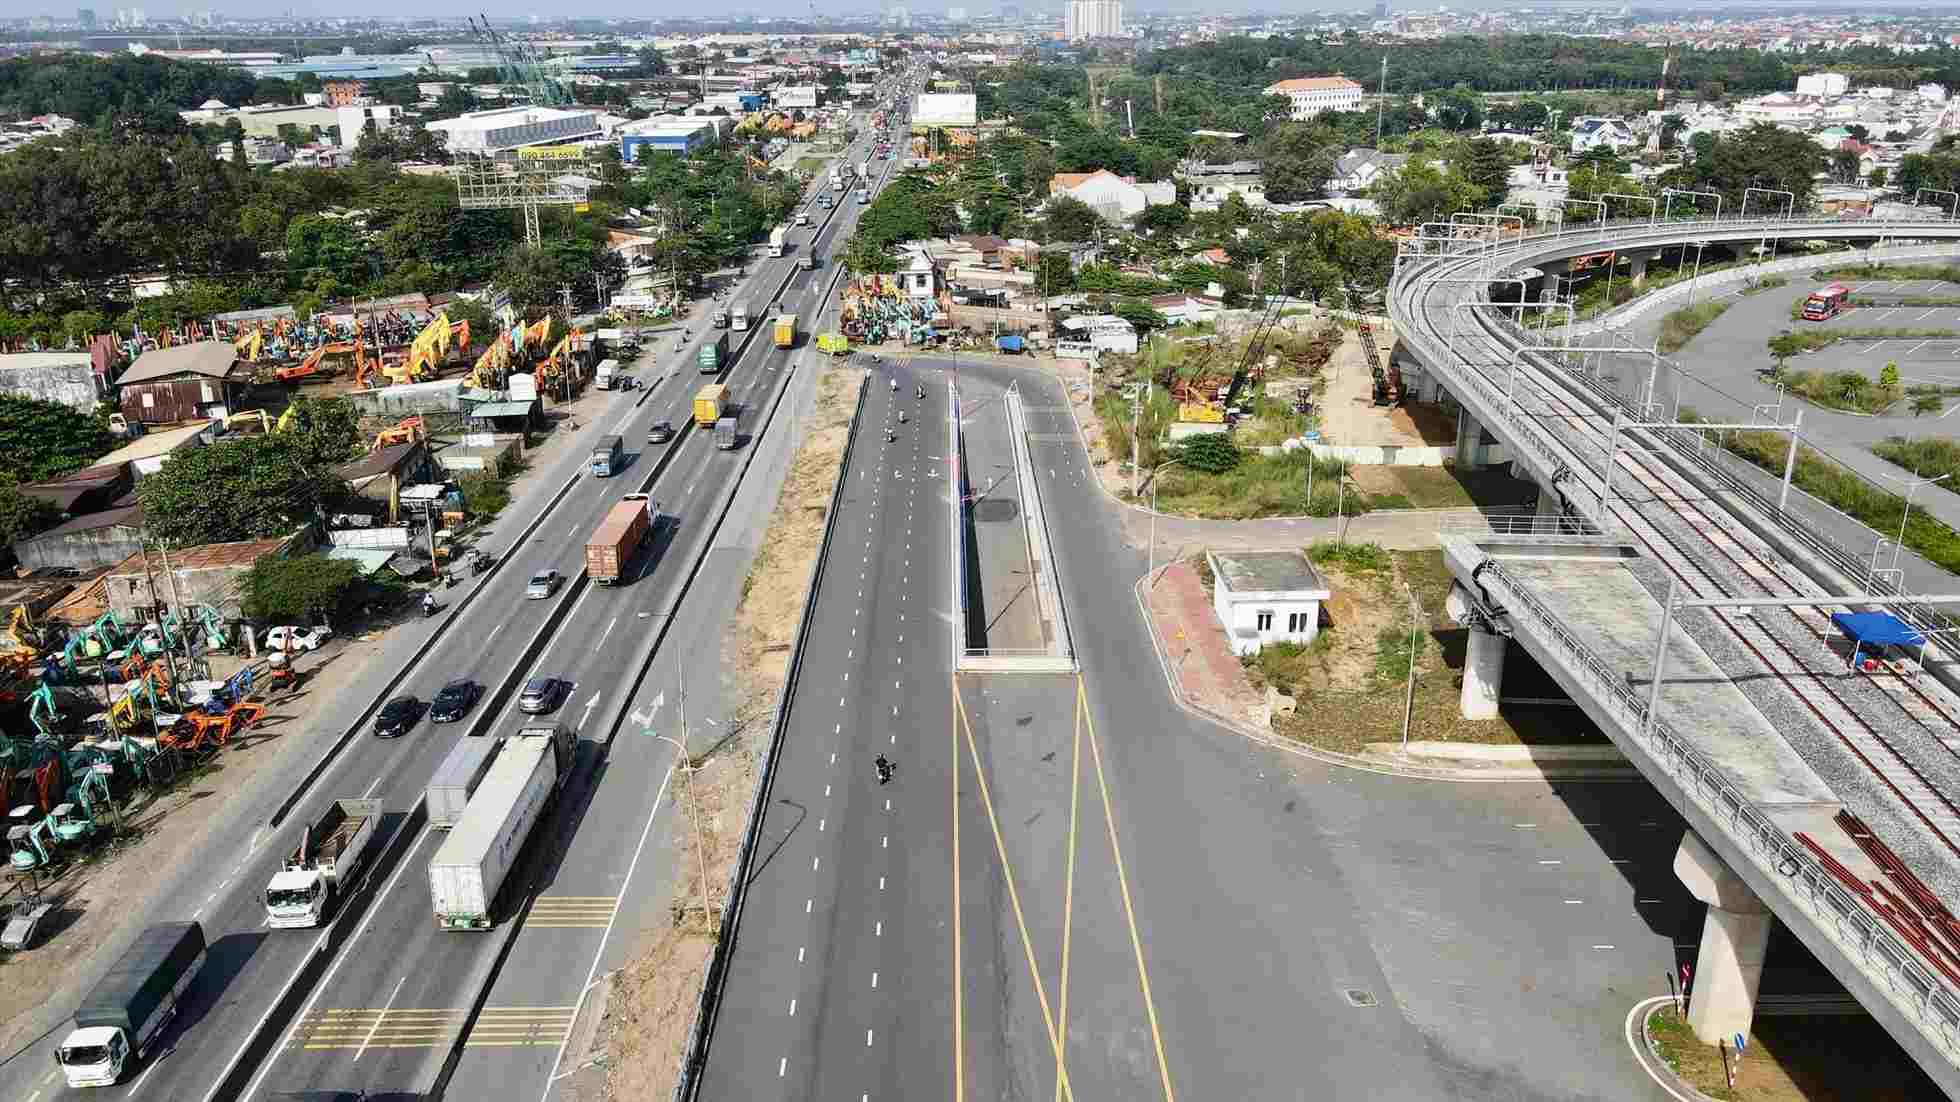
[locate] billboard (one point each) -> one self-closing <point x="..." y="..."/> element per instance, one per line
<point x="551" y="153"/>
<point x="950" y="109"/>
<point x="801" y="95"/>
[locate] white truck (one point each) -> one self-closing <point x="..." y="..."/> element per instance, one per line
<point x="778" y="238"/>
<point x="470" y="868"/>
<point x="455" y="780"/>
<point x="329" y="853"/>
<point x="129" y="1007"/>
<point x="605" y="373"/>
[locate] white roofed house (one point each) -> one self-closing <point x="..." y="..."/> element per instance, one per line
<point x="1309" y="96"/>
<point x="1358" y="170"/>
<point x="1592" y="132"/>
<point x="1113" y="197"/>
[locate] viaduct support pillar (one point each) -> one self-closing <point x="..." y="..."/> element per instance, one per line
<point x="1469" y="442"/>
<point x="1483" y="674"/>
<point x="1639" y="262"/>
<point x="1734" y="937"/>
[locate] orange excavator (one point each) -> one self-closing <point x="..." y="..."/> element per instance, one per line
<point x="407" y="429"/>
<point x="312" y="368"/>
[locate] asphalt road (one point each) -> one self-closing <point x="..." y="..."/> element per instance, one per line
<point x="249" y="964"/>
<point x="1304" y="932"/>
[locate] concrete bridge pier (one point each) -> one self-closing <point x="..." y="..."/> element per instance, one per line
<point x="1638" y="269"/>
<point x="1734" y="937"/>
<point x="1483" y="674"/>
<point x="1548" y="503"/>
<point x="1469" y="441"/>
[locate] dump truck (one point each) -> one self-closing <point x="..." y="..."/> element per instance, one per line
<point x="617" y="537"/>
<point x="456" y="779"/>
<point x="329" y="853"/>
<point x="727" y="434"/>
<point x="785" y="328"/>
<point x="835" y="344"/>
<point x="712" y="354"/>
<point x="708" y="404"/>
<point x="778" y="238"/>
<point x="466" y="874"/>
<point x="128" y="1007"/>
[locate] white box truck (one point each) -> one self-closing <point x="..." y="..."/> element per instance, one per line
<point x="778" y="237"/>
<point x="119" y="1019"/>
<point x="455" y="780"/>
<point x="330" y="852"/>
<point x="467" y="872"/>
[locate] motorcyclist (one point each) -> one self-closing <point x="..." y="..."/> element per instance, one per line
<point x="901" y="416"/>
<point x="922" y="390"/>
<point x="890" y="435"/>
<point x="428" y="604"/>
<point x="894" y="386"/>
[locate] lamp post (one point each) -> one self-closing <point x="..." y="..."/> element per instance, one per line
<point x="1695" y="279"/>
<point x="693" y="810"/>
<point x="1154" y="472"/>
<point x="1409" y="701"/>
<point x="1912" y="487"/>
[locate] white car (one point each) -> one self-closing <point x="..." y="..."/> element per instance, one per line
<point x="289" y="637"/>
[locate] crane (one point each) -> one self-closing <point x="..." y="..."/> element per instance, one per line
<point x="521" y="66"/>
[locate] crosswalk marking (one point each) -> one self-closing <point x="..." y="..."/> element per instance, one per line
<point x="571" y="911"/>
<point x="496" y="1026"/>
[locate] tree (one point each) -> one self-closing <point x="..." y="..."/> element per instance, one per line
<point x="1297" y="159"/>
<point x="1888" y="376"/>
<point x="1785" y="345"/>
<point x="1878" y="176"/>
<point x="1761" y="156"/>
<point x="254" y="487"/>
<point x="1140" y="314"/>
<point x="22" y="516"/>
<point x="864" y="255"/>
<point x="1925" y="404"/>
<point x="1066" y="218"/>
<point x="299" y="589"/>
<point x="1844" y="165"/>
<point x="42" y="439"/>
<point x="1458" y="109"/>
<point x="1161" y="218"/>
<point x="1209" y="453"/>
<point x="1418" y="192"/>
<point x="1485" y="163"/>
<point x="328" y="430"/>
<point x="1055" y="273"/>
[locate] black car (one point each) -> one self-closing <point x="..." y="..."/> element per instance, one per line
<point x="660" y="433"/>
<point x="453" y="700"/>
<point x="540" y="695"/>
<point x="397" y="716"/>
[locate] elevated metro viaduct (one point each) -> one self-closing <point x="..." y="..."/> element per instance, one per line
<point x="1566" y="587"/>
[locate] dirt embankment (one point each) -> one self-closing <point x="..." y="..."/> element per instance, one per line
<point x="656" y="994"/>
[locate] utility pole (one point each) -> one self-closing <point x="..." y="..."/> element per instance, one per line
<point x="1381" y="103"/>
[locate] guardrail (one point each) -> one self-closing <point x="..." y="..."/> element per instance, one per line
<point x="1778" y="858"/>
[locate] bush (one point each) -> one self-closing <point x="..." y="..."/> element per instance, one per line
<point x="1685" y="324"/>
<point x="1359" y="558"/>
<point x="484" y="494"/>
<point x="1210" y="453"/>
<point x="300" y="589"/>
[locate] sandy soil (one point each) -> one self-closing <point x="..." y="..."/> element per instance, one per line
<point x="653" y="1006"/>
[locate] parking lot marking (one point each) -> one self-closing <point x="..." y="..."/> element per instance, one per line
<point x="1927" y="314"/>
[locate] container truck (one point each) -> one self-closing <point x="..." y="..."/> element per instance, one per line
<point x="785" y="330"/>
<point x="608" y="456"/>
<point x="727" y="434"/>
<point x="738" y="316"/>
<point x="605" y="373"/>
<point x="712" y="355"/>
<point x="473" y="863"/>
<point x="457" y="777"/>
<point x="617" y="537"/>
<point x="330" y="852"/>
<point x="708" y="404"/>
<point x="778" y="237"/>
<point x="130" y="1005"/>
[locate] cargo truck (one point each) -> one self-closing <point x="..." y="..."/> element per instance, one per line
<point x="617" y="537"/>
<point x="785" y="330"/>
<point x="712" y="355"/>
<point x="608" y="456"/>
<point x="727" y="434"/>
<point x="456" y="779"/>
<point x="778" y="237"/>
<point x="330" y="852"/>
<point x="472" y="865"/>
<point x="708" y="402"/>
<point x="808" y="261"/>
<point x="605" y="373"/>
<point x="738" y="316"/>
<point x="130" y="1005"/>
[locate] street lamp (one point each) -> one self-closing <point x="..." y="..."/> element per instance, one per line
<point x="1154" y="472"/>
<point x="1912" y="487"/>
<point x="700" y="846"/>
<point x="1696" y="278"/>
<point x="1409" y="701"/>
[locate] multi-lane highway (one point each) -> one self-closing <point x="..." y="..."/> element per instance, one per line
<point x="398" y="993"/>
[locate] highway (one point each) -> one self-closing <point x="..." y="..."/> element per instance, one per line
<point x="1255" y="891"/>
<point x="594" y="637"/>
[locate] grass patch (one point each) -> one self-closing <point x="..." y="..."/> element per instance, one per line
<point x="484" y="494"/>
<point x="1766" y="283"/>
<point x="1931" y="457"/>
<point x="1847" y="390"/>
<point x="1685" y="324"/>
<point x="1843" y="490"/>
<point x="811" y="166"/>
<point x="1348" y="685"/>
<point x="1261" y="486"/>
<point x="1909" y="300"/>
<point x="1888" y="271"/>
<point x="1795" y="1059"/>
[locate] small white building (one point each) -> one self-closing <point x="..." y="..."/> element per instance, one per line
<point x="1266" y="597"/>
<point x="1309" y="96"/>
<point x="355" y="121"/>
<point x="1592" y="132"/>
<point x="1357" y="170"/>
<point x="1113" y="197"/>
<point x="1823" y="84"/>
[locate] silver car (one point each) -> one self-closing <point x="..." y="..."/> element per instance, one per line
<point x="543" y="584"/>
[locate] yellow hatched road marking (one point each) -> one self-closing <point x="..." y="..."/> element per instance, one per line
<point x="572" y="911"/>
<point x="429" y="1028"/>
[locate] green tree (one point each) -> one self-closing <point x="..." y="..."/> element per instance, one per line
<point x="1066" y="218"/>
<point x="42" y="439"/>
<point x="300" y="589"/>
<point x="1486" y="163"/>
<point x="1296" y="160"/>
<point x="864" y="255"/>
<point x="1139" y="314"/>
<point x="1888" y="376"/>
<point x="1784" y="345"/>
<point x="1925" y="404"/>
<point x="328" y="430"/>
<point x="254" y="487"/>
<point x="1209" y="453"/>
<point x="1418" y="192"/>
<point x="1158" y="218"/>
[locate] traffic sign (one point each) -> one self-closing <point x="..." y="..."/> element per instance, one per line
<point x="1740" y="1043"/>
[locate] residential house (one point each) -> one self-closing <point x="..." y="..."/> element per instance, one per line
<point x="1214" y="256"/>
<point x="88" y="542"/>
<point x="66" y="377"/>
<point x="145" y="455"/>
<point x="1179" y="308"/>
<point x="379" y="476"/>
<point x="202" y="380"/>
<point x="1590" y="132"/>
<point x="1358" y="170"/>
<point x="1309" y="96"/>
<point x="1114" y="197"/>
<point x="1209" y="191"/>
<point x="89" y="490"/>
<point x="210" y="574"/>
<point x="985" y="246"/>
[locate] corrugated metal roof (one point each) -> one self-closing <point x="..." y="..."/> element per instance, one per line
<point x="214" y="359"/>
<point x="502" y="409"/>
<point x="369" y="559"/>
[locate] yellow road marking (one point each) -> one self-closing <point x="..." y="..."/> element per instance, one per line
<point x="1068" y="898"/>
<point x="355" y="1028"/>
<point x="572" y="911"/>
<point x="1123" y="882"/>
<point x="959" y="1028"/>
<point x="1013" y="895"/>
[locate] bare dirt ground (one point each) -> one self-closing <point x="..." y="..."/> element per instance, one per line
<point x="96" y="896"/>
<point x="657" y="992"/>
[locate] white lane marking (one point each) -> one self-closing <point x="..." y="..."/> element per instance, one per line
<point x="799" y="953"/>
<point x="816" y="863"/>
<point x="379" y="1018"/>
<point x="1548" y="862"/>
<point x="792" y="1008"/>
<point x="782" y="1067"/>
<point x="493" y="633"/>
<point x="880" y="931"/>
<point x="867" y="1038"/>
<point x="607" y="935"/>
<point x="874" y="980"/>
<point x="589" y="705"/>
<point x="808" y="904"/>
<point x="602" y="635"/>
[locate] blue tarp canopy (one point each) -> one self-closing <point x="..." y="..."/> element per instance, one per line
<point x="1877" y="629"/>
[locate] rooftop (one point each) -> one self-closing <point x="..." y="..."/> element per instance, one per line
<point x="155" y="443"/>
<point x="1267" y="572"/>
<point x="207" y="556"/>
<point x="1314" y="84"/>
<point x="214" y="359"/>
<point x="15" y="361"/>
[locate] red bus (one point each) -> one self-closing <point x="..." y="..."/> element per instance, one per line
<point x="1827" y="303"/>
